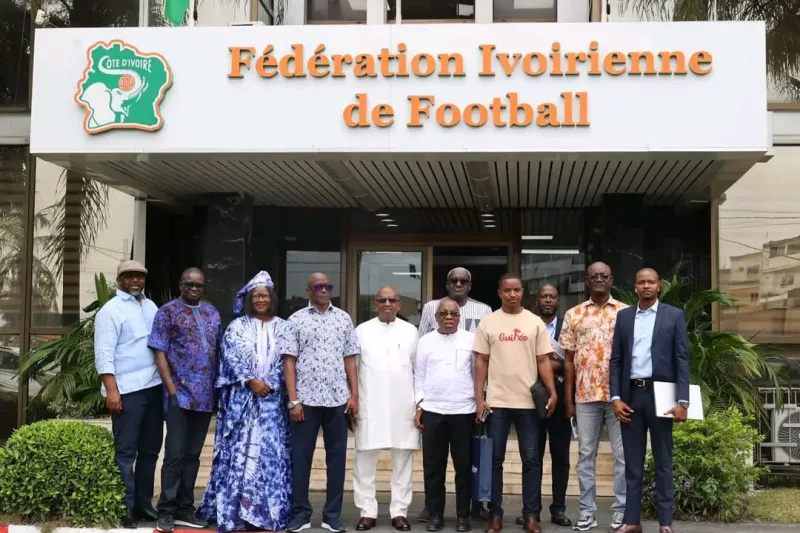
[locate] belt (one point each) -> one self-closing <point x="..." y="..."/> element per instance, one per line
<point x="641" y="383"/>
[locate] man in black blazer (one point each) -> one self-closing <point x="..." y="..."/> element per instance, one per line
<point x="650" y="344"/>
<point x="558" y="425"/>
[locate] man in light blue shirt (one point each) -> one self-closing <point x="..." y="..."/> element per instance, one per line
<point x="132" y="387"/>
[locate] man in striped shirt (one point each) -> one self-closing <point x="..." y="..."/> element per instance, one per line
<point x="458" y="285"/>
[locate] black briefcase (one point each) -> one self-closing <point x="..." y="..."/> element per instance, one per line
<point x="540" y="397"/>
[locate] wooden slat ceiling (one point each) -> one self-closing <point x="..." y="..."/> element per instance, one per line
<point x="438" y="184"/>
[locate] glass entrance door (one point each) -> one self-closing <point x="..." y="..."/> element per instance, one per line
<point x="403" y="269"/>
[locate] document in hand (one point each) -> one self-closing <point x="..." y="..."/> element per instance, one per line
<point x="664" y="393"/>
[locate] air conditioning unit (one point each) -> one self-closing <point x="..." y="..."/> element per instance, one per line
<point x="786" y="434"/>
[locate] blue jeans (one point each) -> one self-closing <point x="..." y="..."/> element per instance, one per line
<point x="526" y="422"/>
<point x="138" y="432"/>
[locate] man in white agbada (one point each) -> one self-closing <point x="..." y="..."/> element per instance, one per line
<point x="386" y="410"/>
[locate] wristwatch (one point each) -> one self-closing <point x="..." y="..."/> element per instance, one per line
<point x="683" y="403"/>
<point x="292" y="403"/>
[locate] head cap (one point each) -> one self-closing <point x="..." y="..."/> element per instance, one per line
<point x="130" y="266"/>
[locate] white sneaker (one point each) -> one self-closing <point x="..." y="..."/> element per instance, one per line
<point x="585" y="523"/>
<point x="616" y="521"/>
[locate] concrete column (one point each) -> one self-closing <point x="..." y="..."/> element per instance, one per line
<point x="573" y="11"/>
<point x="294" y="14"/>
<point x="484" y="11"/>
<point x="139" y="229"/>
<point x="376" y="11"/>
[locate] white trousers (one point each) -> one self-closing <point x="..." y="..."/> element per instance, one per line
<point x="364" y="472"/>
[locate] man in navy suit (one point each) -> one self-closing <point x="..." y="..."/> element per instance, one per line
<point x="650" y="344"/>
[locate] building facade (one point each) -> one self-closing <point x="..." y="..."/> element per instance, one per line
<point x="250" y="165"/>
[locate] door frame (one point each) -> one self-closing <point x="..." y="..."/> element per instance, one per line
<point x="414" y="243"/>
<point x="351" y="274"/>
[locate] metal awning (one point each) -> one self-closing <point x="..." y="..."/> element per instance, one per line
<point x="566" y="181"/>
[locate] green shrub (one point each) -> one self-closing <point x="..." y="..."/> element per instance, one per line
<point x="712" y="468"/>
<point x="59" y="470"/>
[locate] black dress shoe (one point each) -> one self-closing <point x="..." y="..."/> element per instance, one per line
<point x="147" y="514"/>
<point x="435" y="523"/>
<point x="561" y="520"/>
<point x="462" y="524"/>
<point x="520" y="521"/>
<point x="479" y="512"/>
<point x="424" y="515"/>
<point x="129" y="520"/>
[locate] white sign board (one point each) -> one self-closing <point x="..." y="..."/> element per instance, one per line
<point x="447" y="88"/>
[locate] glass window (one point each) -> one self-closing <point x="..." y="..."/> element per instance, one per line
<point x="300" y="265"/>
<point x="759" y="250"/>
<point x="525" y="10"/>
<point x="336" y="11"/>
<point x="83" y="227"/>
<point x="9" y="390"/>
<point x="552" y="252"/>
<point x="432" y="10"/>
<point x="13" y="185"/>
<point x="15" y="53"/>
<point x="209" y="12"/>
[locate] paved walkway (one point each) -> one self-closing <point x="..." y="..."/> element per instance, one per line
<point x="513" y="505"/>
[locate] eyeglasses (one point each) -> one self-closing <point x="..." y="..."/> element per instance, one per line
<point x="445" y="314"/>
<point x="261" y="297"/>
<point x="602" y="277"/>
<point x="385" y="300"/>
<point x="319" y="287"/>
<point x="458" y="281"/>
<point x="192" y="285"/>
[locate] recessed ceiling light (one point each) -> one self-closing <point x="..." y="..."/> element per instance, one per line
<point x="387" y="220"/>
<point x="489" y="226"/>
<point x="391" y="225"/>
<point x="381" y="214"/>
<point x="487" y="215"/>
<point x="537" y="237"/>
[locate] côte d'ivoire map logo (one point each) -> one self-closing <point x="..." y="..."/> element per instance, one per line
<point x="122" y="88"/>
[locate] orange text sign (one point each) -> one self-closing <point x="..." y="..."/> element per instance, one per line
<point x="568" y="108"/>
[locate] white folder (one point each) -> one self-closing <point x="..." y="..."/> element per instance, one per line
<point x="665" y="397"/>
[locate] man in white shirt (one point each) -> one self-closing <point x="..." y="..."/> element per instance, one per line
<point x="458" y="285"/>
<point x="445" y="412"/>
<point x="386" y="416"/>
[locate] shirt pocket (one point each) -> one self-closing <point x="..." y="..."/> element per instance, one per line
<point x="463" y="362"/>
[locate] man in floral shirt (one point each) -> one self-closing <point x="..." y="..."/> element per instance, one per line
<point x="319" y="349"/>
<point x="185" y="337"/>
<point x="587" y="337"/>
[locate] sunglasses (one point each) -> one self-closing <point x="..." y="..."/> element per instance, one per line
<point x="445" y="314"/>
<point x="458" y="281"/>
<point x="261" y="297"/>
<point x="602" y="277"/>
<point x="192" y="285"/>
<point x="319" y="287"/>
<point x="387" y="300"/>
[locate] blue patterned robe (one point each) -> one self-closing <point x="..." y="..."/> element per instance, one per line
<point x="251" y="473"/>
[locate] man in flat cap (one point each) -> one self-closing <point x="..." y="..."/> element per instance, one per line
<point x="132" y="387"/>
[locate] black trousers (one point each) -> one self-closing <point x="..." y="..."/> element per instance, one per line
<point x="138" y="433"/>
<point x="560" y="432"/>
<point x="634" y="443"/>
<point x="333" y="422"/>
<point x="186" y="434"/>
<point x="442" y="434"/>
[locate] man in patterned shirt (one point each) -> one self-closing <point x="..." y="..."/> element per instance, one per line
<point x="185" y="337"/>
<point x="319" y="348"/>
<point x="587" y="338"/>
<point x="458" y="285"/>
